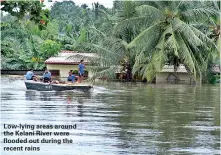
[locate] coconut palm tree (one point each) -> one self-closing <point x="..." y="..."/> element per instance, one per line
<point x="167" y="35"/>
<point x="111" y="52"/>
<point x="126" y="11"/>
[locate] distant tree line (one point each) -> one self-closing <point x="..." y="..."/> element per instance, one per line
<point x="145" y="34"/>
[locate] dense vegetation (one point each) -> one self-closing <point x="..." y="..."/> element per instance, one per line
<point x="145" y="34"/>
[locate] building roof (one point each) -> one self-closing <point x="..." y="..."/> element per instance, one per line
<point x="70" y="58"/>
<point x="170" y="69"/>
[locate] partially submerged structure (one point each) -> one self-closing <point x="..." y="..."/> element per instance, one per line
<point x="69" y="60"/>
<point x="171" y="75"/>
<point x="215" y="69"/>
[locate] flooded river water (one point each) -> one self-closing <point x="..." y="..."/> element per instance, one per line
<point x="118" y="118"/>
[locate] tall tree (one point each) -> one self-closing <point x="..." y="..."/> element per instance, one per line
<point x="126" y="11"/>
<point x="27" y="9"/>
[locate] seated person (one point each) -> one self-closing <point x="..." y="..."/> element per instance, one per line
<point x="30" y="76"/>
<point x="71" y="76"/>
<point x="47" y="76"/>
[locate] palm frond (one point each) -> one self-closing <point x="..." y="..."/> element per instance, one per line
<point x="204" y="38"/>
<point x="147" y="39"/>
<point x="150" y="12"/>
<point x="100" y="72"/>
<point x="198" y="11"/>
<point x="184" y="29"/>
<point x="185" y="53"/>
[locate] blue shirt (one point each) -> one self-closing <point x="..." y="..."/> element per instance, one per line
<point x="81" y="68"/>
<point x="48" y="75"/>
<point x="71" y="78"/>
<point x="29" y="75"/>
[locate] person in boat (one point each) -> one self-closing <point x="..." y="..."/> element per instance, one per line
<point x="71" y="76"/>
<point x="47" y="76"/>
<point x="81" y="68"/>
<point x="30" y="75"/>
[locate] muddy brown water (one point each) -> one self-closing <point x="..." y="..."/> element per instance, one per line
<point x="117" y="118"/>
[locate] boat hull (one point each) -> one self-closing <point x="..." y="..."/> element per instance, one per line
<point x="54" y="87"/>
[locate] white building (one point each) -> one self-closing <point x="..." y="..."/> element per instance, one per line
<point x="169" y="75"/>
<point x="69" y="60"/>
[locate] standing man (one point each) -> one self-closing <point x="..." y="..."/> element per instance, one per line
<point x="81" y="68"/>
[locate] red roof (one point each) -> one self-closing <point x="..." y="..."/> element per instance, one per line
<point x="70" y="58"/>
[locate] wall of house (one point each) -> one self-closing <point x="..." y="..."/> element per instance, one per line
<point x="64" y="69"/>
<point x="184" y="78"/>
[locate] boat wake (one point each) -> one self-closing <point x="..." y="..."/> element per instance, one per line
<point x="103" y="90"/>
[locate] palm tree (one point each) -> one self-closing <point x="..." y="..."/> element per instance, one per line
<point x="112" y="52"/>
<point x="110" y="46"/>
<point x="126" y="11"/>
<point x="167" y="35"/>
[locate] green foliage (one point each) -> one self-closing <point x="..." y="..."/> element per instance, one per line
<point x="145" y="34"/>
<point x="49" y="48"/>
<point x="169" y="33"/>
<point x="20" y="9"/>
<point x="28" y="9"/>
<point x="8" y="18"/>
<point x="212" y="78"/>
<point x="154" y="33"/>
<point x="43" y="19"/>
<point x="68" y="15"/>
<point x="83" y="36"/>
<point x="51" y="31"/>
<point x="19" y="47"/>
